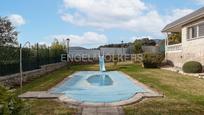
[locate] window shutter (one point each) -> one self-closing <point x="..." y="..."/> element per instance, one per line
<point x="189" y="36"/>
<point x="201" y="29"/>
<point x="194" y="31"/>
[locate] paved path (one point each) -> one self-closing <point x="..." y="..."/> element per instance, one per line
<point x="39" y="95"/>
<point x="102" y="111"/>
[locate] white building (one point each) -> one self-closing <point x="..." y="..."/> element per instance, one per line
<point x="191" y="48"/>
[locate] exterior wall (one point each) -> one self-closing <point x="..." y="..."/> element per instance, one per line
<point x="174" y="59"/>
<point x="191" y="50"/>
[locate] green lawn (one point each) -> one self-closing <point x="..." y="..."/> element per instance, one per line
<point x="183" y="94"/>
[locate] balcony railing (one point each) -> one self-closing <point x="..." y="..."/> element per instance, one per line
<point x="175" y="47"/>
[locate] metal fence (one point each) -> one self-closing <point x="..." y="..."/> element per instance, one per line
<point x="32" y="58"/>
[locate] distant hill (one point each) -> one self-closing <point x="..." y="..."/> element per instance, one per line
<point x="157" y="40"/>
<point x="77" y="48"/>
<point x="125" y="45"/>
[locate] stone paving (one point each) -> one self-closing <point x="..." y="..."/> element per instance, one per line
<point x="102" y="111"/>
<point x="86" y="110"/>
<point x="40" y="95"/>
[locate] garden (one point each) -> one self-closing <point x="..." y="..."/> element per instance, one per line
<point x="181" y="93"/>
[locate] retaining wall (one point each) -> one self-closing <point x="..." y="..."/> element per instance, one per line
<point x="14" y="79"/>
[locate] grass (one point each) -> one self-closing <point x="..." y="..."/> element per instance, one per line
<point x="48" y="107"/>
<point x="183" y="94"/>
<point x="45" y="82"/>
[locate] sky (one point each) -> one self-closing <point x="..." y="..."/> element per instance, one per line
<point x="90" y="23"/>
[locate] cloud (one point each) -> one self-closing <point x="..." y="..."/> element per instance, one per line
<point x="16" y="19"/>
<point x="199" y="1"/>
<point x="102" y="13"/>
<point x="88" y="39"/>
<point x="131" y="15"/>
<point x="141" y="37"/>
<point x="101" y="8"/>
<point x="176" y="14"/>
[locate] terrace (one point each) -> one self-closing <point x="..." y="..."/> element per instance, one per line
<point x="173" y="42"/>
<point x="175" y="47"/>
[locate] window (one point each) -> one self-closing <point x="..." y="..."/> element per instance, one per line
<point x="201" y="29"/>
<point x="192" y="31"/>
<point x="196" y="31"/>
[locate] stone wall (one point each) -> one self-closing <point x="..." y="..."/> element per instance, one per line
<point x="193" y="50"/>
<point x="174" y="59"/>
<point x="14" y="79"/>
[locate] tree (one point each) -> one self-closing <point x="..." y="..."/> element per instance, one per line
<point x="8" y="35"/>
<point x="148" y="42"/>
<point x="124" y="45"/>
<point x="138" y="47"/>
<point x="57" y="45"/>
<point x="57" y="49"/>
<point x="143" y="42"/>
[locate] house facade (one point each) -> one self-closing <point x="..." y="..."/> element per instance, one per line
<point x="190" y="28"/>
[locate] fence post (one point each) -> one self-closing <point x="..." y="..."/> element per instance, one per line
<point x="48" y="55"/>
<point x="37" y="58"/>
<point x="21" y="69"/>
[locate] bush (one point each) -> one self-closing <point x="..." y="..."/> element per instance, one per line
<point x="10" y="104"/>
<point x="192" y="67"/>
<point x="152" y="60"/>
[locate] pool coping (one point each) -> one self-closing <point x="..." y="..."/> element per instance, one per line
<point x="136" y="98"/>
<point x="71" y="102"/>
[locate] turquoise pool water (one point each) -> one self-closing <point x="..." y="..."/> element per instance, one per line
<point x="98" y="87"/>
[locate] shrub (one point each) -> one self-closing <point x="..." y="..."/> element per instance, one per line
<point x="10" y="104"/>
<point x="192" y="67"/>
<point x="115" y="62"/>
<point x="115" y="59"/>
<point x="167" y="63"/>
<point x="152" y="60"/>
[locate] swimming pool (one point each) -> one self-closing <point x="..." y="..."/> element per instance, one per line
<point x="98" y="87"/>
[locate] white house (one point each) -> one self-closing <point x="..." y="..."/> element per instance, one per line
<point x="191" y="47"/>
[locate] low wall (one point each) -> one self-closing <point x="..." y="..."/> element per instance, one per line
<point x="14" y="79"/>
